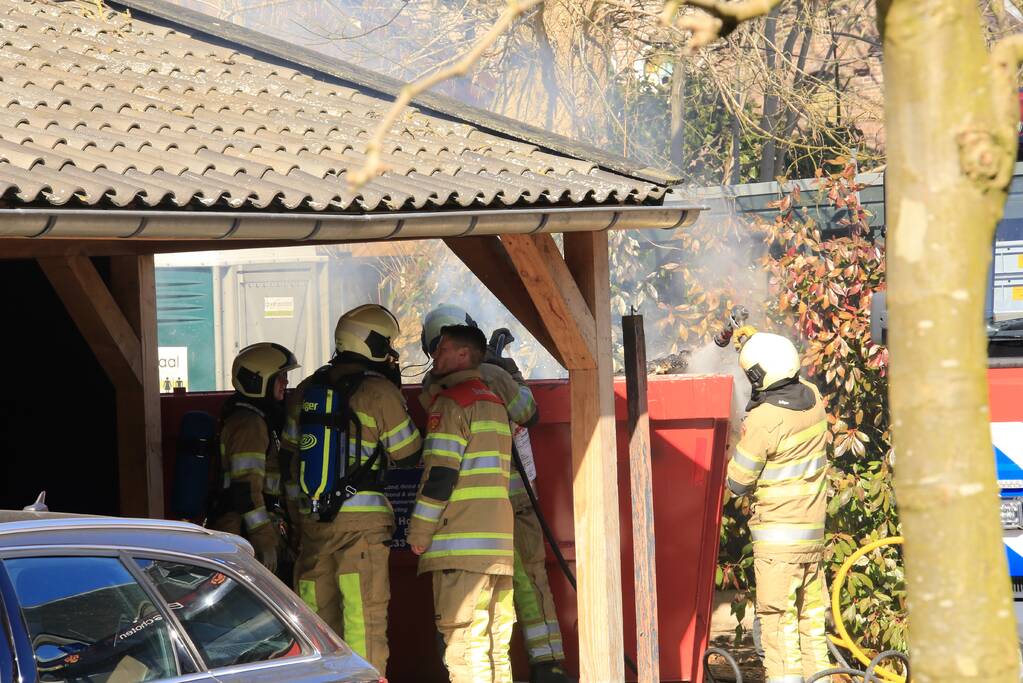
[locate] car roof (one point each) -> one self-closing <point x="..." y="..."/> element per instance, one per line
<point x="21" y="528"/>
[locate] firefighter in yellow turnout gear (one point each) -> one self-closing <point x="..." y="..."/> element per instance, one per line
<point x="781" y="460"/>
<point x="534" y="601"/>
<point x="251" y="421"/>
<point x="462" y="522"/>
<point x="342" y="569"/>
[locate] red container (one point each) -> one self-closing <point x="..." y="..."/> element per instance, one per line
<point x="1005" y="387"/>
<point x="689" y="428"/>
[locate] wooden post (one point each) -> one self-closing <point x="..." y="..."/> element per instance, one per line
<point x="133" y="284"/>
<point x="569" y="304"/>
<point x="643" y="545"/>
<point x="119" y="324"/>
<point x="595" y="484"/>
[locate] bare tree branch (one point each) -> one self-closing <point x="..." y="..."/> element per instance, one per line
<point x="720" y="18"/>
<point x="373" y="166"/>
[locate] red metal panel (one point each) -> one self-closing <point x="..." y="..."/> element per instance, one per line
<point x="1005" y="387"/>
<point x="689" y="427"/>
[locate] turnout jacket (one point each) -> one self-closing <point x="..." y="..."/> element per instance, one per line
<point x="512" y="390"/>
<point x="463" y="515"/>
<point x="249" y="459"/>
<point x="381" y="409"/>
<point x="781" y="459"/>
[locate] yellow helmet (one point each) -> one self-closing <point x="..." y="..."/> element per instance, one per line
<point x="256" y="366"/>
<point x="768" y="359"/>
<point x="368" y="331"/>
<point x="439" y="318"/>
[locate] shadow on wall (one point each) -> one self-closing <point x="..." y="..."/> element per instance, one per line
<point x="57" y="410"/>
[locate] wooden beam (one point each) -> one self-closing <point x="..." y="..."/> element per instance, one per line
<point x="139" y="447"/>
<point x="487" y="259"/>
<point x="556" y="296"/>
<point x="97" y="315"/>
<point x="23" y="248"/>
<point x="643" y="546"/>
<point x="595" y="467"/>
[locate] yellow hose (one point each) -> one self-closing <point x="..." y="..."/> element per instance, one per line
<point x="843" y="639"/>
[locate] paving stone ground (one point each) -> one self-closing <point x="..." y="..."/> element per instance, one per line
<point x="722" y="635"/>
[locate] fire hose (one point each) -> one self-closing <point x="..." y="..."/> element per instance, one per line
<point x="874" y="671"/>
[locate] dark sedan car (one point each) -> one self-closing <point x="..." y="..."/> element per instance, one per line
<point x="108" y="600"/>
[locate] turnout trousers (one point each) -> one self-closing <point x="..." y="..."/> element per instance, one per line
<point x="534" y="603"/>
<point x="475" y="614"/>
<point x="791" y="608"/>
<point x="343" y="576"/>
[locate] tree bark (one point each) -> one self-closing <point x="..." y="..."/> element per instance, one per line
<point x="569" y="96"/>
<point x="949" y="164"/>
<point x="735" y="161"/>
<point x="770" y="115"/>
<point x="781" y="123"/>
<point x="678" y="112"/>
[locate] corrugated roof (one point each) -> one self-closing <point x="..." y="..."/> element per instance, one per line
<point x="103" y="110"/>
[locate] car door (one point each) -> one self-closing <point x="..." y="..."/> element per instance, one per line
<point x="237" y="632"/>
<point x="88" y="618"/>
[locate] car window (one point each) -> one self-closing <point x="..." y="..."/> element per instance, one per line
<point x="90" y="621"/>
<point x="227" y="622"/>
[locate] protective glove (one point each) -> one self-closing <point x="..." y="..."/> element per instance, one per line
<point x="742" y="335"/>
<point x="266" y="542"/>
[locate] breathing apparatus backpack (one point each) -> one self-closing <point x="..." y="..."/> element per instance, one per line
<point x="331" y="466"/>
<point x="196" y="467"/>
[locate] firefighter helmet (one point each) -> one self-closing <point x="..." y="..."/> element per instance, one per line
<point x="439" y="318"/>
<point x="768" y="359"/>
<point x="256" y="366"/>
<point x="368" y="331"/>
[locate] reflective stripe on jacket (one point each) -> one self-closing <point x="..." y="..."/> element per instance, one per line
<point x="511" y="389"/>
<point x="249" y="459"/>
<point x="462" y="514"/>
<point x="782" y="460"/>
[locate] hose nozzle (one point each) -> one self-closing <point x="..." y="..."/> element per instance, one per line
<point x="736" y="317"/>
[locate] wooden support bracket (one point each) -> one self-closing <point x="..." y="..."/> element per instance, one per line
<point x="487" y="259"/>
<point x="97" y="315"/>
<point x="557" y="298"/>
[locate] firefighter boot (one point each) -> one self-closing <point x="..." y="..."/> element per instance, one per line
<point x="549" y="672"/>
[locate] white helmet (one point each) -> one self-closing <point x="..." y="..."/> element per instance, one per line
<point x="368" y="331"/>
<point x="768" y="359"/>
<point x="439" y="318"/>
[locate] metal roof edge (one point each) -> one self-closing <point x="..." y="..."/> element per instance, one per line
<point x="223" y="227"/>
<point x="390" y="87"/>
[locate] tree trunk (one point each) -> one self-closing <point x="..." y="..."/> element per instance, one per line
<point x="734" y="176"/>
<point x="781" y="128"/>
<point x="770" y="115"/>
<point x="580" y="61"/>
<point x="946" y="188"/>
<point x="678" y="111"/>
<point x="568" y="98"/>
